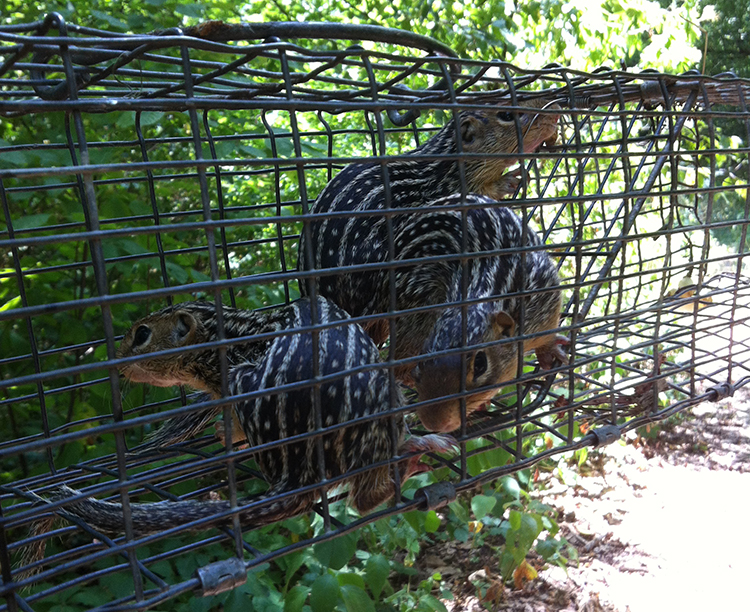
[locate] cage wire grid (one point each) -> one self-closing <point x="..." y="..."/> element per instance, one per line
<point x="183" y="164"/>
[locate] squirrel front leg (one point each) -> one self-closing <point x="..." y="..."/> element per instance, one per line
<point x="551" y="352"/>
<point x="238" y="434"/>
<point x="506" y="186"/>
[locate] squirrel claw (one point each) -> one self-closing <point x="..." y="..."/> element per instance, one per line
<point x="550" y="354"/>
<point x="439" y="443"/>
<point x="424" y="444"/>
<point x="506" y="185"/>
<point x="237" y="434"/>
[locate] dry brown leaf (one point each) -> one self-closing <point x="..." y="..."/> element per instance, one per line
<point x="524" y="573"/>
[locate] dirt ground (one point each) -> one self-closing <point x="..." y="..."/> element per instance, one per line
<point x="660" y="525"/>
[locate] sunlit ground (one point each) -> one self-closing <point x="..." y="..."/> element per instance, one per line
<point x="660" y="522"/>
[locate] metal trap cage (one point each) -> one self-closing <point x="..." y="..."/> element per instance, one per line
<point x="141" y="171"/>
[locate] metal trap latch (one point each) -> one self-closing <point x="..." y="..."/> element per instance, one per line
<point x="436" y="495"/>
<point x="221" y="576"/>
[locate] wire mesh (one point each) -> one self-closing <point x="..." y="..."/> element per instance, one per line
<point x="138" y="171"/>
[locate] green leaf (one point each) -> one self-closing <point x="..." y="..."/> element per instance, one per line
<point x="117" y="585"/>
<point x="431" y="522"/>
<point x="90" y="597"/>
<point x="377" y="569"/>
<point x="507" y="564"/>
<point x="113" y="21"/>
<point x="16" y="158"/>
<point x="351" y="578"/>
<point x="313" y="147"/>
<point x="530" y="528"/>
<point x="202" y="604"/>
<point x="177" y="273"/>
<point x="515" y="520"/>
<point x="460" y="511"/>
<point x="336" y="553"/>
<point x="325" y="593"/>
<point x="199" y="277"/>
<point x="356" y="600"/>
<point x="190" y="10"/>
<point x="482" y="505"/>
<point x="251" y="151"/>
<point x="509" y="487"/>
<point x="415" y="520"/>
<point x="11" y="303"/>
<point x="125" y="120"/>
<point x="151" y="117"/>
<point x="30" y="222"/>
<point x="429" y="602"/>
<point x="295" y="598"/>
<point x="292" y="563"/>
<point x="547" y="548"/>
<point x="461" y="534"/>
<point x="128" y="246"/>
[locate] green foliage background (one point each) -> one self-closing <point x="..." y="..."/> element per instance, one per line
<point x="353" y="573"/>
<point x="581" y="34"/>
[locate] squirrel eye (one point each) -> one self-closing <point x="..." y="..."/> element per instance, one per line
<point x="505" y="116"/>
<point x="480" y="364"/>
<point x="142" y="334"/>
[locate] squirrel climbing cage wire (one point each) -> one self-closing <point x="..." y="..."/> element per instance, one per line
<point x="140" y="171"/>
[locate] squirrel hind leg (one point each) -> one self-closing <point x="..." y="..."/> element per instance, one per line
<point x="280" y="510"/>
<point x="370" y="489"/>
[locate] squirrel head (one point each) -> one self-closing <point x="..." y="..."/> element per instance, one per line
<point x="487" y="368"/>
<point x="170" y="329"/>
<point x="494" y="132"/>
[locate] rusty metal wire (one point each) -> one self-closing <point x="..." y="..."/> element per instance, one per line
<point x="632" y="203"/>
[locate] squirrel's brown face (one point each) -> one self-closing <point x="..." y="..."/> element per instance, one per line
<point x="154" y="334"/>
<point x="486" y="369"/>
<point x="496" y="132"/>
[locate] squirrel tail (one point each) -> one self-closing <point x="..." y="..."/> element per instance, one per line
<point x="150" y="518"/>
<point x="179" y="429"/>
<point x="154" y="517"/>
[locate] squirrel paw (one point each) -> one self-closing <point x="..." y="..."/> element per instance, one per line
<point x="553" y="353"/>
<point x="438" y="443"/>
<point x="237" y="434"/>
<point x="506" y="186"/>
<point x="424" y="444"/>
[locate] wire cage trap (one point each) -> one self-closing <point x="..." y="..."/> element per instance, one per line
<point x="138" y="172"/>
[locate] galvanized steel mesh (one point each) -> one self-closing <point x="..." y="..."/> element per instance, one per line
<point x="632" y="202"/>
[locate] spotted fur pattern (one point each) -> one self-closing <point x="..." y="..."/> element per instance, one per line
<point x="504" y="273"/>
<point x="413" y="182"/>
<point x="197" y="369"/>
<point x="432" y="185"/>
<point x="501" y="286"/>
<point x="492" y="278"/>
<point x="276" y="415"/>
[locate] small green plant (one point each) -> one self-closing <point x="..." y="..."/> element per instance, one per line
<point x="506" y="510"/>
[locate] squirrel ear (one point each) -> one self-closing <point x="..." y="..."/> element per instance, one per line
<point x="503" y="325"/>
<point x="184" y="329"/>
<point x="469" y="129"/>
